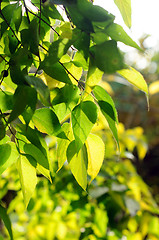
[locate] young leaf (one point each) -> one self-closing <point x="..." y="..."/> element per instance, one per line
<point x="135" y="78"/>
<point x="28" y="178"/>
<point x="117" y="33"/>
<point x="96" y="150"/>
<point x="62" y="145"/>
<point x="83" y="118"/>
<point x="6" y="101"/>
<point x="107" y="57"/>
<point x="9" y="155"/>
<point x="78" y="163"/>
<point x="32" y="150"/>
<point x="46" y="121"/>
<point x="4" y="216"/>
<point x="94" y="75"/>
<point x="107" y="107"/>
<point x="125" y="10"/>
<point x="40" y="87"/>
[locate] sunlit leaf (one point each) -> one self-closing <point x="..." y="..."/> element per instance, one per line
<point x="9" y="155"/>
<point x="154" y="88"/>
<point x="6" y="101"/>
<point x="125" y="10"/>
<point x="117" y="33"/>
<point x="4" y="216"/>
<point x="135" y="78"/>
<point x="83" y="117"/>
<point x="96" y="150"/>
<point x="78" y="163"/>
<point x="28" y="178"/>
<point x="46" y="121"/>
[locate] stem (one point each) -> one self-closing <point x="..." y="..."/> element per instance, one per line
<point x="26" y="10"/>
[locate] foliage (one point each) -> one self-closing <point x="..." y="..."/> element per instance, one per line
<point x="50" y="71"/>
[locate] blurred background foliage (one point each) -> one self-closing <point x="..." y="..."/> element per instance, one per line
<point x="122" y="202"/>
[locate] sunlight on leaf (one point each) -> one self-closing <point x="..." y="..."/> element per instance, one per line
<point x="125" y="10"/>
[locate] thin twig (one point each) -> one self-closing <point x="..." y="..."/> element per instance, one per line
<point x="44" y="22"/>
<point x="26" y="10"/>
<point x="10" y="27"/>
<point x="4" y="59"/>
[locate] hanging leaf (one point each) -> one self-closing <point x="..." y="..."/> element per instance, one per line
<point x="125" y="10"/>
<point x="62" y="145"/>
<point x="83" y="118"/>
<point x="47" y="122"/>
<point x="28" y="178"/>
<point x="6" y="101"/>
<point x="117" y="33"/>
<point x="135" y="78"/>
<point x="41" y="88"/>
<point x="17" y="17"/>
<point x="107" y="57"/>
<point x="107" y="107"/>
<point x="93" y="12"/>
<point x="78" y="163"/>
<point x="20" y="102"/>
<point x="34" y="36"/>
<point x="94" y="76"/>
<point x="96" y="150"/>
<point x="4" y="216"/>
<point x="2" y="130"/>
<point x="56" y="71"/>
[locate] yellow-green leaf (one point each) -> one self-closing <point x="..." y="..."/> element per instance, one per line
<point x="135" y="78"/>
<point x="28" y="178"/>
<point x="95" y="150"/>
<point x="124" y="7"/>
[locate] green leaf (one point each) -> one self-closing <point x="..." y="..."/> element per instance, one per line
<point x="33" y="136"/>
<point x="31" y="105"/>
<point x="79" y="19"/>
<point x="9" y="155"/>
<point x="20" y="101"/>
<point x="107" y="57"/>
<point x="62" y="145"/>
<point x="95" y="150"/>
<point x="108" y="109"/>
<point x="46" y="121"/>
<point x="135" y="78"/>
<point x="16" y="74"/>
<point x="41" y="88"/>
<point x="34" y="36"/>
<point x="28" y="178"/>
<point x="2" y="130"/>
<point x="83" y="118"/>
<point x="4" y="216"/>
<point x="117" y="33"/>
<point x="17" y="17"/>
<point x="55" y="71"/>
<point x="35" y="152"/>
<point x="57" y="49"/>
<point x="51" y="11"/>
<point x="78" y="163"/>
<point x="92" y="12"/>
<point x="125" y="10"/>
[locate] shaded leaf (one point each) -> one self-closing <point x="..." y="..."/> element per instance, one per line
<point x="83" y="118"/>
<point x="4" y="216"/>
<point x="107" y="57"/>
<point x="95" y="150"/>
<point x="2" y="130"/>
<point x="108" y="109"/>
<point x="40" y="87"/>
